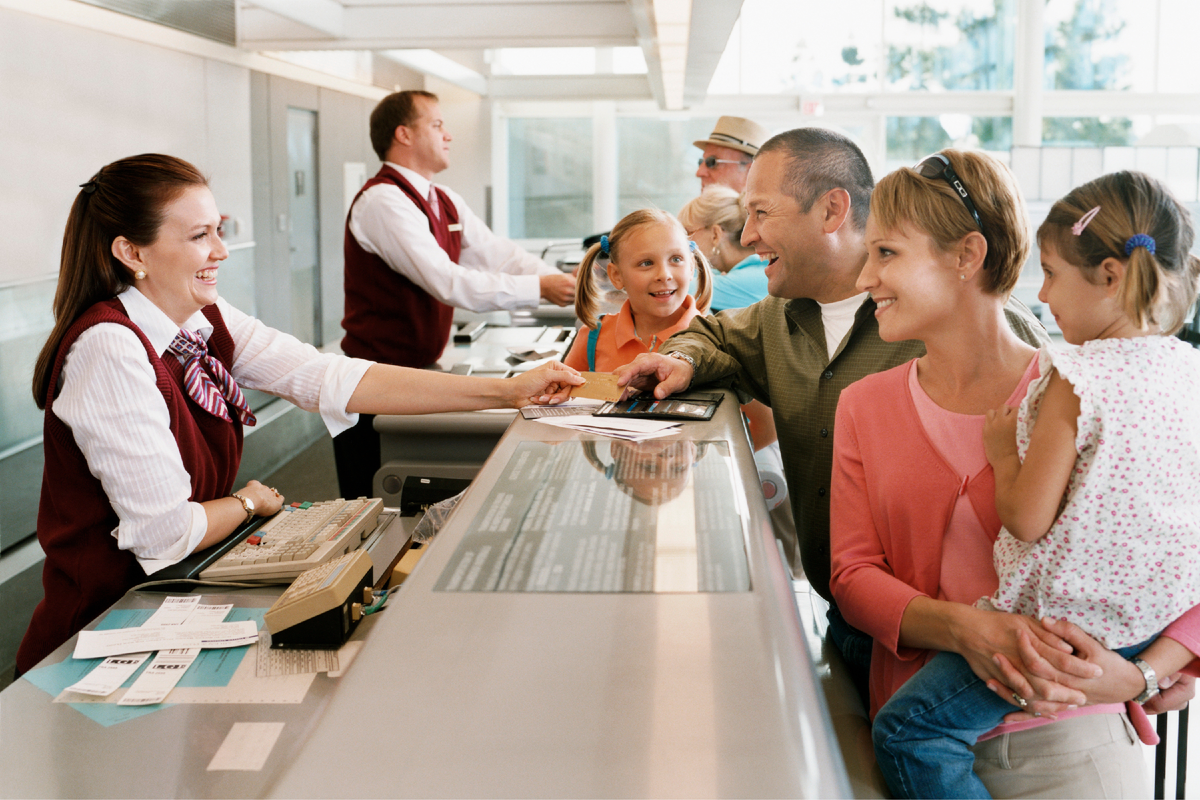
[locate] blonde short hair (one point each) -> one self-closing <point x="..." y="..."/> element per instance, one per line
<point x="934" y="206"/>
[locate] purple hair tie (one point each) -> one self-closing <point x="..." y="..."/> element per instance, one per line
<point x="1139" y="240"/>
<point x="1078" y="227"/>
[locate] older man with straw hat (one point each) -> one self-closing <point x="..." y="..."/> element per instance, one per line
<point x="728" y="151"/>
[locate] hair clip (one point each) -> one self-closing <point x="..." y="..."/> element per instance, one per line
<point x="88" y="187"/>
<point x="1078" y="227"/>
<point x="604" y="245"/>
<point x="692" y="246"/>
<point x="1139" y="240"/>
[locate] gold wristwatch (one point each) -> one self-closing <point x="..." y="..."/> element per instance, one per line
<point x="247" y="504"/>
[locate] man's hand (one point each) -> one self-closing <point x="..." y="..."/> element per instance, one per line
<point x="558" y="289"/>
<point x="655" y="371"/>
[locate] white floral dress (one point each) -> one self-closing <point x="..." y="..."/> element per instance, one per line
<point x="1122" y="559"/>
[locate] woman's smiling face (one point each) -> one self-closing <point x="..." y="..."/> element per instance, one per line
<point x="912" y="281"/>
<point x="181" y="263"/>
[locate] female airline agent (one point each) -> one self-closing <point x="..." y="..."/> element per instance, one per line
<point x="139" y="381"/>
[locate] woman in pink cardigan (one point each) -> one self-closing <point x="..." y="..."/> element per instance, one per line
<point x="913" y="514"/>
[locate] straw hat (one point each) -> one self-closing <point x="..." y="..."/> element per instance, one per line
<point x="736" y="134"/>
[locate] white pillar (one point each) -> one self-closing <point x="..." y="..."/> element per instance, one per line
<point x="604" y="165"/>
<point x="1028" y="71"/>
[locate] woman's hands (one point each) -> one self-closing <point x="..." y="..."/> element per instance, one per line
<point x="994" y="641"/>
<point x="225" y="514"/>
<point x="266" y="500"/>
<point x="1119" y="680"/>
<point x="549" y="383"/>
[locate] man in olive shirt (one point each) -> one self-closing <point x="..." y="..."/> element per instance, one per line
<point x="808" y="194"/>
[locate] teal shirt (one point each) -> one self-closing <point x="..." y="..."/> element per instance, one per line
<point x="742" y="286"/>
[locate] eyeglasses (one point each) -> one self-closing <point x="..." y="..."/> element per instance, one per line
<point x="938" y="166"/>
<point x="712" y="161"/>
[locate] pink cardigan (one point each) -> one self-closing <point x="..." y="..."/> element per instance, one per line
<point x="892" y="496"/>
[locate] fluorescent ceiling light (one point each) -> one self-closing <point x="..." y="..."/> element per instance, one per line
<point x="436" y="64"/>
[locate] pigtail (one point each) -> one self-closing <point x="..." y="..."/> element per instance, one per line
<point x="704" y="281"/>
<point x="586" y="303"/>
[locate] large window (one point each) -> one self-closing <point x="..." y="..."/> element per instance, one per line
<point x="657" y="162"/>
<point x="550" y="177"/>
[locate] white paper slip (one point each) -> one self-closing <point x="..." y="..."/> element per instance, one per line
<point x="101" y="644"/>
<point x="618" y="427"/>
<point x="173" y="611"/>
<point x="153" y="685"/>
<point x="108" y="675"/>
<point x="246" y="746"/>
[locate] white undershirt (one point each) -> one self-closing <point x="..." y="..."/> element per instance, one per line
<point x="110" y="401"/>
<point x="492" y="272"/>
<point x="838" y="318"/>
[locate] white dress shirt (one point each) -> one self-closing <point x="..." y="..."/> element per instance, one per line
<point x="492" y="272"/>
<point x="120" y="421"/>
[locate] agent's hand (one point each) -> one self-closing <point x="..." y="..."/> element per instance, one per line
<point x="558" y="289"/>
<point x="663" y="374"/>
<point x="266" y="500"/>
<point x="547" y="384"/>
<point x="1000" y="434"/>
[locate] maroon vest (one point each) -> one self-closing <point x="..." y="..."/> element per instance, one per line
<point x="388" y="317"/>
<point x="85" y="572"/>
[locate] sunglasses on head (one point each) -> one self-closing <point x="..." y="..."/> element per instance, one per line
<point x="938" y="166"/>
<point x="712" y="161"/>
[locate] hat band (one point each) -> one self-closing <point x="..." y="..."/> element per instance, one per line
<point x="727" y="138"/>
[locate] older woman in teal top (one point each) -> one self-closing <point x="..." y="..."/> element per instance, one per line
<point x="714" y="221"/>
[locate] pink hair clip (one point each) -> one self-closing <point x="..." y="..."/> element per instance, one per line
<point x="1078" y="227"/>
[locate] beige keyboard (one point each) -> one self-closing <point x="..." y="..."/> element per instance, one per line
<point x="296" y="539"/>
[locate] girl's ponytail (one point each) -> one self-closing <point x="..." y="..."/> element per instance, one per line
<point x="586" y="302"/>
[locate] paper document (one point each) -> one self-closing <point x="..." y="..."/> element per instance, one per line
<point x="634" y="430"/>
<point x="101" y="644"/>
<point x="153" y="685"/>
<point x="109" y="674"/>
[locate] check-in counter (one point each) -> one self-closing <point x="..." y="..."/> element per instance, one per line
<point x="637" y="637"/>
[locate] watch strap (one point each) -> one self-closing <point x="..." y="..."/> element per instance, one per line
<point x="247" y="506"/>
<point x="1151" y="681"/>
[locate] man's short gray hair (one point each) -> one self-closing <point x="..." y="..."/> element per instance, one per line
<point x="820" y="160"/>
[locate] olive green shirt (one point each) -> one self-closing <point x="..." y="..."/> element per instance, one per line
<point x="775" y="352"/>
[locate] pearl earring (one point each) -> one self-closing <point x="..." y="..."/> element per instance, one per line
<point x="139" y="275"/>
<point x="962" y="276"/>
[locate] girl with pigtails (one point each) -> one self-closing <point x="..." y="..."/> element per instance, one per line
<point x="648" y="256"/>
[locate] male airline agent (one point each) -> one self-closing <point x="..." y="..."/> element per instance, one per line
<point x="808" y="194"/>
<point x="413" y="253"/>
<point x="728" y="151"/>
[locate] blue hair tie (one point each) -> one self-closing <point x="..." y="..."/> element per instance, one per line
<point x="604" y="245"/>
<point x="1139" y="240"/>
<point x="692" y="246"/>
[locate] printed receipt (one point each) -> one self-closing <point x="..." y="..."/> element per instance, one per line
<point x="101" y="644"/>
<point x="111" y="673"/>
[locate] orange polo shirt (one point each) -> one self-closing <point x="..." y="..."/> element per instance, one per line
<point x="617" y="344"/>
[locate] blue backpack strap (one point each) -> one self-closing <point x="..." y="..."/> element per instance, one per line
<point x="593" y="336"/>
